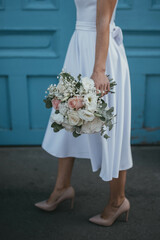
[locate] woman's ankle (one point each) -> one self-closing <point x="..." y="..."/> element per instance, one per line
<point x="116" y="202"/>
<point x="57" y="192"/>
<point x="61" y="187"/>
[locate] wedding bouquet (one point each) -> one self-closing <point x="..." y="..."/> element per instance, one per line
<point x="78" y="106"/>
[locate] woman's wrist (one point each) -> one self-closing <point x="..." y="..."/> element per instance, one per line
<point x="99" y="70"/>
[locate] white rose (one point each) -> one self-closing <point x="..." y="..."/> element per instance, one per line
<point x="80" y="122"/>
<point x="62" y="108"/>
<point x="87" y="83"/>
<point x="73" y="117"/>
<point x="85" y="115"/>
<point x="90" y="100"/>
<point x="67" y="127"/>
<point x="92" y="127"/>
<point x="57" y="117"/>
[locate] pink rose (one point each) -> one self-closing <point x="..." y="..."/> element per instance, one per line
<point x="75" y="102"/>
<point x="55" y="103"/>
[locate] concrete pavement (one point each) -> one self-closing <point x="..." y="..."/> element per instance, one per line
<point x="28" y="174"/>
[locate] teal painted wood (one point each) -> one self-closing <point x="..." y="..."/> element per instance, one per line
<point x="34" y="36"/>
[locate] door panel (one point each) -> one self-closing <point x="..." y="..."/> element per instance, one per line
<point x="34" y="35"/>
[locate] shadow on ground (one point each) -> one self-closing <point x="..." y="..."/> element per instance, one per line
<point x="28" y="175"/>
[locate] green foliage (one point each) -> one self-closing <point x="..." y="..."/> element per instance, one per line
<point x="102" y="130"/>
<point x="104" y="105"/>
<point x="54" y="124"/>
<point x="106" y="136"/>
<point x="48" y="102"/>
<point x="56" y="127"/>
<point x="67" y="76"/>
<point x="102" y="118"/>
<point x="97" y="114"/>
<point x="78" y="84"/>
<point x="110" y="110"/>
<point x="78" y="129"/>
<point x="112" y="83"/>
<point x="75" y="134"/>
<point x="110" y="125"/>
<point x="79" y="77"/>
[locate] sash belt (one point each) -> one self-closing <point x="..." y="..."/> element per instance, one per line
<point x="116" y="31"/>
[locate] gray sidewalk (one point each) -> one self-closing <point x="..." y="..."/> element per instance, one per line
<point x="28" y="175"/>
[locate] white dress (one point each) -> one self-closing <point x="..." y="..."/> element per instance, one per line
<point x="113" y="154"/>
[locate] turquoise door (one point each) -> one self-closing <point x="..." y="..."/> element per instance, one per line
<point x="140" y="21"/>
<point x="34" y="35"/>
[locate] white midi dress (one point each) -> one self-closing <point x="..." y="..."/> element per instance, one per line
<point x="113" y="154"/>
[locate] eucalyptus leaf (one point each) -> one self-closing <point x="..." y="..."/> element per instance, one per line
<point x="110" y="110"/>
<point x="56" y="129"/>
<point x="97" y="115"/>
<point x="79" y="77"/>
<point x="106" y="136"/>
<point x="75" y="134"/>
<point x="110" y="126"/>
<point x="78" y="84"/>
<point x="67" y="76"/>
<point x="54" y="124"/>
<point x="57" y="126"/>
<point x="102" y="130"/>
<point x="77" y="129"/>
<point x="48" y="102"/>
<point x="102" y="118"/>
<point x="104" y="105"/>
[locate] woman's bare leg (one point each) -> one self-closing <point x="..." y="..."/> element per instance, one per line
<point x="117" y="194"/>
<point x="63" y="180"/>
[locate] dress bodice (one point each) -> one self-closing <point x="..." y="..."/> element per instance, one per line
<point x="86" y="10"/>
<point x="86" y="18"/>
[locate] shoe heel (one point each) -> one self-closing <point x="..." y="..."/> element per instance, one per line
<point x="127" y="213"/>
<point x="72" y="203"/>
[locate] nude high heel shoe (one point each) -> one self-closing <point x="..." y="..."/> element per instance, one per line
<point x="123" y="208"/>
<point x="69" y="193"/>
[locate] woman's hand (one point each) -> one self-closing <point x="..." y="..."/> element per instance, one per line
<point x="101" y="82"/>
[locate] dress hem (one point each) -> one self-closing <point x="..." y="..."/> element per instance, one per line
<point x="76" y="155"/>
<point x="117" y="175"/>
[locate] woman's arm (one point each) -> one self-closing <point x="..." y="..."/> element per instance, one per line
<point x="104" y="13"/>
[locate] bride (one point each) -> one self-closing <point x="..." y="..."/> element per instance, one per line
<point x="96" y="49"/>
